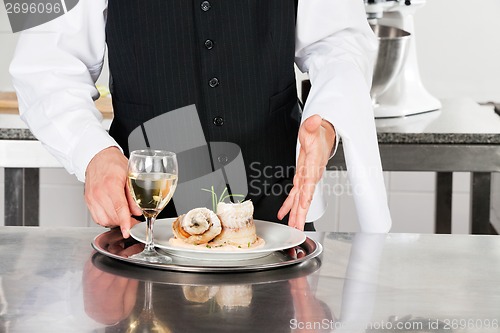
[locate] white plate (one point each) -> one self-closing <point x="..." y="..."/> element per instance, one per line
<point x="277" y="237"/>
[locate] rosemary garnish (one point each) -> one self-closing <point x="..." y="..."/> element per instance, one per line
<point x="223" y="196"/>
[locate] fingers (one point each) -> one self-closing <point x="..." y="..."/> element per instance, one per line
<point x="310" y="167"/>
<point x="113" y="208"/>
<point x="312" y="173"/>
<point x="288" y="204"/>
<point x="295" y="252"/>
<point x="106" y="191"/>
<point x="298" y="183"/>
<point x="102" y="207"/>
<point x="300" y="216"/>
<point x="290" y="200"/>
<point x="123" y="215"/>
<point x="97" y="214"/>
<point x="293" y="200"/>
<point x="307" y="175"/>
<point x="131" y="250"/>
<point x="134" y="208"/>
<point x="292" y="219"/>
<point x="126" y="225"/>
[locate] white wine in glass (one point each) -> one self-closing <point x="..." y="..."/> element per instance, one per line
<point x="152" y="182"/>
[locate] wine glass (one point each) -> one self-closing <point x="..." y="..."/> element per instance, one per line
<point x="147" y="320"/>
<point x="152" y="182"/>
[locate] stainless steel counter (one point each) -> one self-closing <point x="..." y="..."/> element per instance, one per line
<point x="52" y="281"/>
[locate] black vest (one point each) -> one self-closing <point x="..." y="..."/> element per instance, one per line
<point x="233" y="59"/>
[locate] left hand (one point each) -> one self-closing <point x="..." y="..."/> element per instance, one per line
<point x="317" y="138"/>
<point x="309" y="309"/>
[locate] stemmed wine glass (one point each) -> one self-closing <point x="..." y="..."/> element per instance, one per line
<point x="147" y="320"/>
<point x="152" y="182"/>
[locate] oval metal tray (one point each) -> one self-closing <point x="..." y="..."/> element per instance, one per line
<point x="113" y="245"/>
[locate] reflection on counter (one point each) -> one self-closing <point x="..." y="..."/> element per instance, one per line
<point x="4" y="321"/>
<point x="51" y="282"/>
<point x="196" y="302"/>
<point x="127" y="298"/>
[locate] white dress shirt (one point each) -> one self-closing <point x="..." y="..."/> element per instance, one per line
<point x="55" y="67"/>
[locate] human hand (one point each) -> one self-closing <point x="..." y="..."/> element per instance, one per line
<point x="317" y="138"/>
<point x="106" y="191"/>
<point x="309" y="309"/>
<point x="107" y="298"/>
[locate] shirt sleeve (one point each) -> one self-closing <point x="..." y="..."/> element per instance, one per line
<point x="336" y="47"/>
<point x="54" y="70"/>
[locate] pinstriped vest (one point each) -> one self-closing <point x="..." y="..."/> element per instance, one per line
<point x="232" y="58"/>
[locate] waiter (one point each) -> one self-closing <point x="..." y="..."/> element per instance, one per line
<point x="234" y="61"/>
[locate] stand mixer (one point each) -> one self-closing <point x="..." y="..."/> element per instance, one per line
<point x="397" y="85"/>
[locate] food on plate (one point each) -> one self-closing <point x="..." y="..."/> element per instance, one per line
<point x="198" y="226"/>
<point x="232" y="227"/>
<point x="238" y="225"/>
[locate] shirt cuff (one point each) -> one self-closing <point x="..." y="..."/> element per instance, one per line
<point x="337" y="140"/>
<point x="94" y="139"/>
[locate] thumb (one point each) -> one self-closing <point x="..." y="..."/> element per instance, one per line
<point x="312" y="123"/>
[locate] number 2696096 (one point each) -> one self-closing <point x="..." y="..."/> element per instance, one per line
<point x="33" y="8"/>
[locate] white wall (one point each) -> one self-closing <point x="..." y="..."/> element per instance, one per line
<point x="458" y="49"/>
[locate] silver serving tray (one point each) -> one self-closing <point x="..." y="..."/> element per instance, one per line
<point x="157" y="276"/>
<point x="111" y="244"/>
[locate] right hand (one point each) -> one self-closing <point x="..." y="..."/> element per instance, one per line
<point x="107" y="298"/>
<point x="106" y="191"/>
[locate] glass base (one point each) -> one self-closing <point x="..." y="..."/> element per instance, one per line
<point x="152" y="256"/>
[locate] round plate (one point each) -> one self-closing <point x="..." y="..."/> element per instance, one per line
<point x="277" y="237"/>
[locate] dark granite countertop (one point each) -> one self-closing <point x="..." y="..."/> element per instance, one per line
<point x="16" y="134"/>
<point x="460" y="121"/>
<point x="383" y="138"/>
<point x="439" y="138"/>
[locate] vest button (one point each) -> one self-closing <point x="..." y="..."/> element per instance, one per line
<point x="218" y="121"/>
<point x="205" y="6"/>
<point x="209" y="44"/>
<point x="222" y="159"/>
<point x="214" y="82"/>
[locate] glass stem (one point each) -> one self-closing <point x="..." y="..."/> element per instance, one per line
<point x="150" y="247"/>
<point x="148" y="296"/>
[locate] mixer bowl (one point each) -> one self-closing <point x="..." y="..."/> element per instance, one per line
<point x="392" y="51"/>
